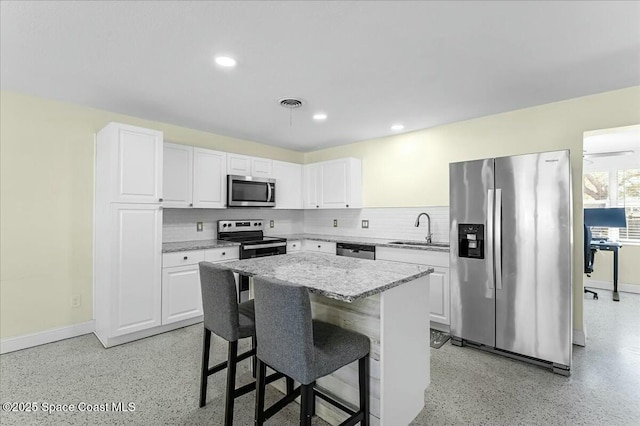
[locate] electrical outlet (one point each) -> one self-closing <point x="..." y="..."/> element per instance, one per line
<point x="272" y="224"/>
<point x="365" y="223"/>
<point x="335" y="223"/>
<point x="76" y="301"/>
<point x="199" y="226"/>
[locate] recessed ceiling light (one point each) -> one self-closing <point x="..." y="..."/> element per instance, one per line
<point x="397" y="127"/>
<point x="320" y="116"/>
<point x="225" y="61"/>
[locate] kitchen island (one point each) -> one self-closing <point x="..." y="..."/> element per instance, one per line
<point x="386" y="301"/>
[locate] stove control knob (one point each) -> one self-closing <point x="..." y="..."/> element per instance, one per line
<point x="260" y="223"/>
<point x="255" y="224"/>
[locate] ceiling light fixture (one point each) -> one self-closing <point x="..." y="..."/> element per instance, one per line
<point x="397" y="127"/>
<point x="225" y="61"/>
<point x="320" y="116"/>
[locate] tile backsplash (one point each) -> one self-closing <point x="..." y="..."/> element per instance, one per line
<point x="180" y="224"/>
<point x="387" y="222"/>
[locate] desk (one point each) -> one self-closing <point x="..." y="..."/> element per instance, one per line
<point x="614" y="247"/>
<point x="388" y="302"/>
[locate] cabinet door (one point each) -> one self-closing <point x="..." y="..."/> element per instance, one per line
<point x="209" y="178"/>
<point x="261" y="167"/>
<point x="177" y="176"/>
<point x="137" y="264"/>
<point x="293" y="245"/>
<point x="238" y="164"/>
<point x="319" y="246"/>
<point x="334" y="184"/>
<point x="439" y="295"/>
<point x="288" y="178"/>
<point x="139" y="158"/>
<point x="181" y="296"/>
<point x="311" y="180"/>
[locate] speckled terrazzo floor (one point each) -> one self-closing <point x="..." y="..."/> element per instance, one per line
<point x="160" y="375"/>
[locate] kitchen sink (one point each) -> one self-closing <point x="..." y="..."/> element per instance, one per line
<point x="419" y="243"/>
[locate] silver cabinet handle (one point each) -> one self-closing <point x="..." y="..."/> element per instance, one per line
<point x="498" y="239"/>
<point x="160" y="199"/>
<point x="185" y="258"/>
<point x="224" y="253"/>
<point x="190" y="204"/>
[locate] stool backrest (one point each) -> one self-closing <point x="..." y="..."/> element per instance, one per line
<point x="284" y="328"/>
<point x="219" y="301"/>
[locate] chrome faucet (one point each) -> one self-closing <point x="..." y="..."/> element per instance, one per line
<point x="429" y="234"/>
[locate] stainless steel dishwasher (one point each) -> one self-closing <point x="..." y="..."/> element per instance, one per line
<point x="362" y="251"/>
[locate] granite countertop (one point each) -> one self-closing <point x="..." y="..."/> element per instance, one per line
<point x="195" y="245"/>
<point x="379" y="242"/>
<point x="342" y="278"/>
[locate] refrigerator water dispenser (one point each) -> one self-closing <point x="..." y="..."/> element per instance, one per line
<point x="471" y="241"/>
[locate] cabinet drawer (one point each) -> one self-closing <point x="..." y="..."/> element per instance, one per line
<point x="295" y="245"/>
<point x="222" y="253"/>
<point x="182" y="258"/>
<point x="319" y="246"/>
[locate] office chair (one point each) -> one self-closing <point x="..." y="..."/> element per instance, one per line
<point x="589" y="258"/>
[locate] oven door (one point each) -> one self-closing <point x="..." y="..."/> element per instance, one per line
<point x="248" y="191"/>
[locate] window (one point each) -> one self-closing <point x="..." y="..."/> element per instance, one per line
<point x="618" y="188"/>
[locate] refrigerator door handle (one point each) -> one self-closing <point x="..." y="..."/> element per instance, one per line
<point x="489" y="239"/>
<point x="497" y="244"/>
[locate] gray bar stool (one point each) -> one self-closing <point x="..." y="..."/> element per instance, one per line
<point x="231" y="321"/>
<point x="290" y="342"/>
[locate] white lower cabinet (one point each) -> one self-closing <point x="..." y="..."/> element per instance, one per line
<point x="294" y="245"/>
<point x="181" y="295"/>
<point x="319" y="246"/>
<point x="439" y="296"/>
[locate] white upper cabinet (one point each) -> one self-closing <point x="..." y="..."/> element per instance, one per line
<point x="311" y="179"/>
<point x="238" y="164"/>
<point x="137" y="156"/>
<point x="261" y="167"/>
<point x="177" y="179"/>
<point x="244" y="165"/>
<point x="194" y="177"/>
<point x="333" y="184"/>
<point x="288" y="178"/>
<point x="209" y="178"/>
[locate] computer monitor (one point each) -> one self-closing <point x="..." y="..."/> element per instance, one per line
<point x="613" y="217"/>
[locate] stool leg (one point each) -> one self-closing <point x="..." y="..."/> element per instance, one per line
<point x="231" y="382"/>
<point x="254" y="343"/>
<point x="204" y="375"/>
<point x="306" y="396"/>
<point x="363" y="376"/>
<point x="289" y="381"/>
<point x="313" y="400"/>
<point x="260" y="389"/>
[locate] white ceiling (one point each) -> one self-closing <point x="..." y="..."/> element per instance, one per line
<point x="368" y="65"/>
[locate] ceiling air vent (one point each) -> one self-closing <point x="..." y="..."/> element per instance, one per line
<point x="290" y="103"/>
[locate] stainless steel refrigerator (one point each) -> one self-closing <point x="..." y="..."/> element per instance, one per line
<point x="511" y="257"/>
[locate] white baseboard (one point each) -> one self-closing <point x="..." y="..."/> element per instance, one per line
<point x="29" y="340"/>
<point x="579" y="337"/>
<point x="608" y="285"/>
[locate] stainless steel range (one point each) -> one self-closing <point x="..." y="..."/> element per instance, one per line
<point x="253" y="243"/>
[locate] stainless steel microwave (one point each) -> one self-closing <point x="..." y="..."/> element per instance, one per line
<point x="249" y="191"/>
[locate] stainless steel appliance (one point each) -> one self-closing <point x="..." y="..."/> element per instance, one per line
<point x="511" y="257"/>
<point x="253" y="243"/>
<point x="362" y="251"/>
<point x="249" y="191"/>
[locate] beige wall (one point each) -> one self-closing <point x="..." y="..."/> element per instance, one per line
<point x="423" y="157"/>
<point x="628" y="266"/>
<point x="46" y="184"/>
<point x="46" y="209"/>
